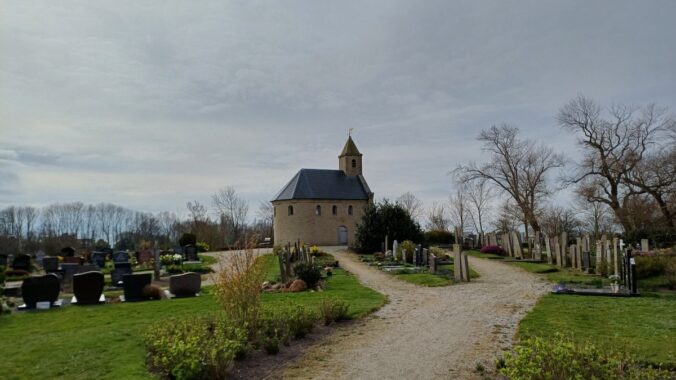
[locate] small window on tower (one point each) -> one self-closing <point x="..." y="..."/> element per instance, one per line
<point x="334" y="210"/>
<point x="290" y="210"/>
<point x="354" y="163"/>
<point x="318" y="210"/>
<point x="349" y="210"/>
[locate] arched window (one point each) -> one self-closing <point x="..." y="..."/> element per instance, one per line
<point x="349" y="210"/>
<point x="290" y="210"/>
<point x="354" y="163"/>
<point x="334" y="210"/>
<point x="318" y="210"/>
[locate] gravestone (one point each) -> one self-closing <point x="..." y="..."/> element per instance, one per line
<point x="457" y="263"/>
<point x="98" y="259"/>
<point x="50" y="264"/>
<point x="40" y="289"/>
<point x="120" y="257"/>
<point x="88" y="287"/>
<point x="506" y="243"/>
<point x="190" y="253"/>
<point x="133" y="285"/>
<point x="537" y="251"/>
<point x="67" y="251"/>
<point x="39" y="256"/>
<point x="599" y="256"/>
<point x="578" y="253"/>
<point x="571" y="253"/>
<point x="433" y="263"/>
<point x="548" y="247"/>
<point x="87" y="268"/>
<point x="395" y="248"/>
<point x="564" y="248"/>
<point x="185" y="285"/>
<point x="118" y="272"/>
<point x="72" y="260"/>
<point x="425" y="257"/>
<point x="586" y="261"/>
<point x="465" y="266"/>
<point x="517" y="245"/>
<point x="418" y="255"/>
<point x="557" y="252"/>
<point x="22" y="262"/>
<point x="645" y="247"/>
<point x="69" y="270"/>
<point x="145" y="256"/>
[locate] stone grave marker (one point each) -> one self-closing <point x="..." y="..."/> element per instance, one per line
<point x="50" y="264"/>
<point x="599" y="256"/>
<point x="395" y="247"/>
<point x="133" y="285"/>
<point x="465" y="266"/>
<point x="185" y="285"/>
<point x="433" y="263"/>
<point x="457" y="263"/>
<point x="645" y="247"/>
<point x="39" y="256"/>
<point x="98" y="259"/>
<point x="517" y="245"/>
<point x="40" y="289"/>
<point x="506" y="243"/>
<point x="548" y="247"/>
<point x="22" y="262"/>
<point x="118" y="272"/>
<point x="88" y="288"/>
<point x="120" y="257"/>
<point x="425" y="257"/>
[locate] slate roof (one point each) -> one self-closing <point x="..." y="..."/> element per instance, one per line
<point x="324" y="184"/>
<point x="350" y="148"/>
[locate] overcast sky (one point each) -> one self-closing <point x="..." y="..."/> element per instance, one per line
<point x="150" y="104"/>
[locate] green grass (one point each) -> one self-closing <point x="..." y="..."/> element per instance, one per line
<point x="643" y="326"/>
<point x="443" y="277"/>
<point x="535" y="267"/>
<point x="105" y="342"/>
<point x="208" y="260"/>
<point x="480" y="255"/>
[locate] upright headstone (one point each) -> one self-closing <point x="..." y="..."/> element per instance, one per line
<point x="599" y="256"/>
<point x="548" y="247"/>
<point x="571" y="254"/>
<point x="506" y="243"/>
<point x="457" y="263"/>
<point x="98" y="259"/>
<point x="578" y="253"/>
<point x="537" y="248"/>
<point x="395" y="247"/>
<point x="516" y="242"/>
<point x="39" y="256"/>
<point x="433" y="263"/>
<point x="425" y="257"/>
<point x="120" y="257"/>
<point x="564" y="248"/>
<point x="465" y="266"/>
<point x="645" y="247"/>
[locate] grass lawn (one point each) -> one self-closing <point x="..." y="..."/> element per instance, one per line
<point x="443" y="277"/>
<point x="480" y="255"/>
<point x="643" y="326"/>
<point x="535" y="267"/>
<point x="105" y="342"/>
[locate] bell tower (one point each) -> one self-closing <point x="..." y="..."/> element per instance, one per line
<point x="349" y="160"/>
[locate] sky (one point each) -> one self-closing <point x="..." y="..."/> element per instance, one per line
<point x="152" y="104"/>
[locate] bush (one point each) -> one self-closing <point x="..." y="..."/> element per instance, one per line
<point x="187" y="239"/>
<point x="202" y="247"/>
<point x="238" y="286"/>
<point x="409" y="246"/>
<point x="439" y="237"/>
<point x="383" y="219"/>
<point x="494" y="249"/>
<point x="333" y="310"/>
<point x="278" y="325"/>
<point x="670" y="273"/>
<point x="561" y="358"/>
<point x="651" y="266"/>
<point x="194" y="348"/>
<point x="310" y="273"/>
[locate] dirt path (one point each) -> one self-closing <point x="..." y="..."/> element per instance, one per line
<point x="424" y="333"/>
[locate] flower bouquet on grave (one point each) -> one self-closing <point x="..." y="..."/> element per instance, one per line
<point x="614" y="283"/>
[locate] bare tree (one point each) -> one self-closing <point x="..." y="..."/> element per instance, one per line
<point x="557" y="219"/>
<point x="458" y="209"/>
<point x="232" y="208"/>
<point x="411" y="204"/>
<point x="479" y="196"/>
<point x="517" y="167"/>
<point x="613" y="148"/>
<point x="436" y="217"/>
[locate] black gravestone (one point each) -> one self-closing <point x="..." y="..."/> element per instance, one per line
<point x="67" y="251"/>
<point x="69" y="270"/>
<point x="120" y="257"/>
<point x="40" y="289"/>
<point x="88" y="287"/>
<point x="133" y="286"/>
<point x="118" y="272"/>
<point x="185" y="285"/>
<point x="50" y="264"/>
<point x="98" y="259"/>
<point x="190" y="253"/>
<point x="22" y="262"/>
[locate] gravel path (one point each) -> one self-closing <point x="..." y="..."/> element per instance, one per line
<point x="424" y="333"/>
